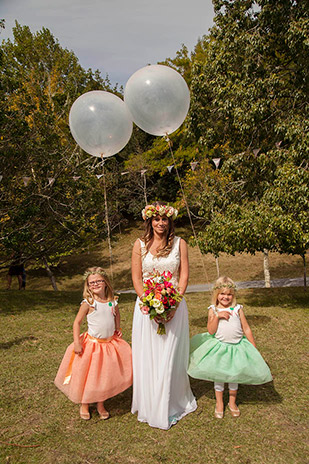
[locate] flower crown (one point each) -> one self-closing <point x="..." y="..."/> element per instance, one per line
<point x="89" y="273"/>
<point x="217" y="287"/>
<point x="161" y="210"/>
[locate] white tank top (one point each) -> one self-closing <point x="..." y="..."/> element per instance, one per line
<point x="229" y="331"/>
<point x="101" y="321"/>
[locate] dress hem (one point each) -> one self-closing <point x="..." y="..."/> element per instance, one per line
<point x="173" y="421"/>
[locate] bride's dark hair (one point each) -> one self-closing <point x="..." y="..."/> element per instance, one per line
<point x="148" y="234"/>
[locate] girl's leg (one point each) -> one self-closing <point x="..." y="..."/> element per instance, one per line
<point x="219" y="389"/>
<point x="233" y="387"/>
<point x="102" y="411"/>
<point x="84" y="411"/>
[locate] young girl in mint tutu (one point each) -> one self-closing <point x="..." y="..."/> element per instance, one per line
<point x="227" y="352"/>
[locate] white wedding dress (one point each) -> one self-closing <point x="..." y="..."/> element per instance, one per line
<point x="161" y="388"/>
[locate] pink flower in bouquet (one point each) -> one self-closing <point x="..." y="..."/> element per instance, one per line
<point x="145" y="309"/>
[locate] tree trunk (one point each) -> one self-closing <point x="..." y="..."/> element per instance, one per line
<point x="217" y="266"/>
<point x="145" y="189"/>
<point x="50" y="274"/>
<point x="266" y="269"/>
<point x="305" y="277"/>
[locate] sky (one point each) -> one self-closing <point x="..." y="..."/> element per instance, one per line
<point x="118" y="37"/>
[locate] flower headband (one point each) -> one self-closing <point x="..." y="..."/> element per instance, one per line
<point x="89" y="273"/>
<point x="161" y="210"/>
<point x="217" y="287"/>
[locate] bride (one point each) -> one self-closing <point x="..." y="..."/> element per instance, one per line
<point x="161" y="389"/>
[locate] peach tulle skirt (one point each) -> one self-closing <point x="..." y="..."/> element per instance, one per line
<point x="103" y="370"/>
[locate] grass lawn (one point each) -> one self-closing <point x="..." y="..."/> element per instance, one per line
<point x="39" y="425"/>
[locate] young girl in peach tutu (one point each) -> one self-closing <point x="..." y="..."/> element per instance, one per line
<point x="98" y="364"/>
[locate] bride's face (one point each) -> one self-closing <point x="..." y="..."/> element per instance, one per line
<point x="160" y="224"/>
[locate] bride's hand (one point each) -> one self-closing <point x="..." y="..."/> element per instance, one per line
<point x="169" y="317"/>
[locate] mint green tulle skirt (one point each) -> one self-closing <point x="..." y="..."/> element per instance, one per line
<point x="213" y="360"/>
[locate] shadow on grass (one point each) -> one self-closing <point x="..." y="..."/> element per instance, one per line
<point x="12" y="302"/>
<point x="246" y="394"/>
<point x="287" y="297"/>
<point x="16" y="341"/>
<point x="121" y="404"/>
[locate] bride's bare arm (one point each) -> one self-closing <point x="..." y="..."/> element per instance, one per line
<point x="184" y="267"/>
<point x="136" y="268"/>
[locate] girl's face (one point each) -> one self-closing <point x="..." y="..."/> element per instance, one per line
<point x="160" y="224"/>
<point x="96" y="284"/>
<point x="225" y="298"/>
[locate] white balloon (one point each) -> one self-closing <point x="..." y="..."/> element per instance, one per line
<point x="100" y="123"/>
<point x="158" y="99"/>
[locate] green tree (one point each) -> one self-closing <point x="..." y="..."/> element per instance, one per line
<point x="54" y="214"/>
<point x="250" y="97"/>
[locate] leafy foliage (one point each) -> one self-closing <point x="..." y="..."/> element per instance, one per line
<point x="250" y="95"/>
<point x="53" y="214"/>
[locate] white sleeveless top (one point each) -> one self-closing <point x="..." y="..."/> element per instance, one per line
<point x="101" y="322"/>
<point x="229" y="331"/>
<point x="151" y="263"/>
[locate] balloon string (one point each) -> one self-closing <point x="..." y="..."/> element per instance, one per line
<point x="187" y="206"/>
<point x="107" y="224"/>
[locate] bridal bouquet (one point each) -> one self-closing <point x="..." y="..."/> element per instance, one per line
<point x="159" y="297"/>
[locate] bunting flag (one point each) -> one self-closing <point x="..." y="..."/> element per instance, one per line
<point x="125" y="172"/>
<point x="75" y="178"/>
<point x="98" y="176"/>
<point x="170" y="167"/>
<point x="278" y="144"/>
<point x="193" y="165"/>
<point x="143" y="171"/>
<point x="51" y="180"/>
<point x="26" y="180"/>
<point x="256" y="151"/>
<point x="1" y="177"/>
<point x="216" y="162"/>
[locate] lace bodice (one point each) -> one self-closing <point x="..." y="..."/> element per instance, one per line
<point x="163" y="263"/>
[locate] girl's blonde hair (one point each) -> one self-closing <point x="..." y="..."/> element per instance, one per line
<point x="223" y="283"/>
<point x="87" y="293"/>
<point x="148" y="234"/>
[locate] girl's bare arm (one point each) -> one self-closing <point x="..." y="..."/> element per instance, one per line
<point x="83" y="311"/>
<point x="246" y="328"/>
